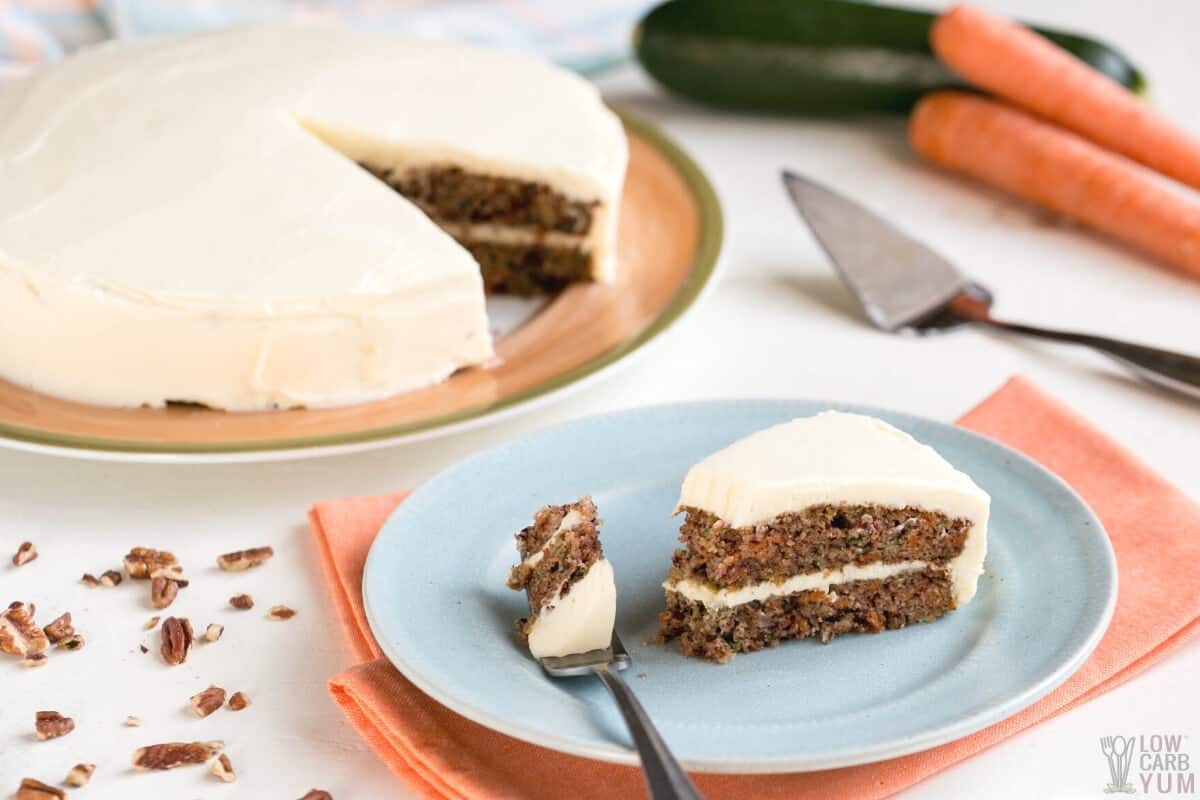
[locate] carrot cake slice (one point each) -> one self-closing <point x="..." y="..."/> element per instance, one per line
<point x="569" y="583"/>
<point x="826" y="525"/>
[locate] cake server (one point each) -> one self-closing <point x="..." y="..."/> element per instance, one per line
<point x="903" y="285"/>
<point x="665" y="779"/>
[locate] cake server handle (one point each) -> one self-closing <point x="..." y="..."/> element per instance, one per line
<point x="1178" y="372"/>
<point x="665" y="779"/>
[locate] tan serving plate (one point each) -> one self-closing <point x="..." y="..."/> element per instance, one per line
<point x="669" y="238"/>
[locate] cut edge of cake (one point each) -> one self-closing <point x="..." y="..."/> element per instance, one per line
<point x="825" y="525"/>
<point x="567" y="580"/>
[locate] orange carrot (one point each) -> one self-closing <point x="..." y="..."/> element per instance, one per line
<point x="1032" y="72"/>
<point x="1060" y="171"/>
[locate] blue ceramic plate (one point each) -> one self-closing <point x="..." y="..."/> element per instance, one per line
<point x="435" y="596"/>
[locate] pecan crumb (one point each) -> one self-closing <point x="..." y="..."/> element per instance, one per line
<point x="132" y="722"/>
<point x="140" y="562"/>
<point x="280" y="613"/>
<point x="213" y="632"/>
<point x="19" y="635"/>
<point x="35" y="660"/>
<point x="110" y="578"/>
<point x="238" y="701"/>
<point x="72" y="642"/>
<point x="89" y="579"/>
<point x="169" y="755"/>
<point x="163" y="591"/>
<point x="150" y="623"/>
<point x="51" y="725"/>
<point x="242" y="602"/>
<point x="31" y="789"/>
<point x="317" y="794"/>
<point x="176" y="640"/>
<point x="143" y="648"/>
<point x="26" y="552"/>
<point x="79" y="775"/>
<point x="59" y="629"/>
<point x="208" y="701"/>
<point x="240" y="560"/>
<point x="222" y="769"/>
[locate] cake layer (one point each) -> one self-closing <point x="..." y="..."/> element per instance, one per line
<point x="450" y="194"/>
<point x="215" y="241"/>
<point x="867" y="606"/>
<point x="819" y="537"/>
<point x="528" y="269"/>
<point x="557" y="550"/>
<point x="843" y="460"/>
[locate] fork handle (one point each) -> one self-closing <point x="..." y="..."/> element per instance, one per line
<point x="1176" y="371"/>
<point x="665" y="779"/>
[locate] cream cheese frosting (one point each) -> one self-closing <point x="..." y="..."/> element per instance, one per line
<point x="580" y="621"/>
<point x="839" y="458"/>
<point x="183" y="218"/>
<point x="703" y="592"/>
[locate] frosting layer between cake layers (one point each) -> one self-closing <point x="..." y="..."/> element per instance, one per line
<point x="833" y="458"/>
<point x="186" y="218"/>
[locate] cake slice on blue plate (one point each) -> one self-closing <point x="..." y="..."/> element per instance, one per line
<point x="826" y="525"/>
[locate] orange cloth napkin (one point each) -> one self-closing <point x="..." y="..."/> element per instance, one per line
<point x="1155" y="531"/>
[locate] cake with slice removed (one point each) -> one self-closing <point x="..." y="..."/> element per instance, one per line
<point x="281" y="217"/>
<point x="569" y="583"/>
<point x="826" y="525"/>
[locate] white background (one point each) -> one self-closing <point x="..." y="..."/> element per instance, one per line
<point x="779" y="324"/>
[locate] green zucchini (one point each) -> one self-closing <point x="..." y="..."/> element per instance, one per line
<point x="813" y="56"/>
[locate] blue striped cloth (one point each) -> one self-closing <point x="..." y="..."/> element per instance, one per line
<point x="585" y="35"/>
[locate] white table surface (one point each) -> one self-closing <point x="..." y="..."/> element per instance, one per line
<point x="778" y="325"/>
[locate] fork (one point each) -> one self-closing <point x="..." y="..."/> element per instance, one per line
<point x="665" y="779"/>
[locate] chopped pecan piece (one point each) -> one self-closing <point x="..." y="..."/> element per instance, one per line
<point x="176" y="640"/>
<point x="51" y="725"/>
<point x="19" y="635"/>
<point x="72" y="642"/>
<point x="213" y="632"/>
<point x="143" y="648"/>
<point x="317" y="794"/>
<point x="79" y="775"/>
<point x="242" y="602"/>
<point x="142" y="562"/>
<point x="172" y="572"/>
<point x="132" y="722"/>
<point x="26" y="552"/>
<point x="150" y="623"/>
<point x="89" y="579"/>
<point x="208" y="701"/>
<point x="110" y="578"/>
<point x="34" y="660"/>
<point x="59" y="629"/>
<point x="163" y="591"/>
<point x="222" y="769"/>
<point x="238" y="701"/>
<point x="169" y="755"/>
<point x="31" y="789"/>
<point x="240" y="560"/>
<point x="280" y="613"/>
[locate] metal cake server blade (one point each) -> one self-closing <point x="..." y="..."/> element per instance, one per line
<point x="897" y="279"/>
<point x="903" y="285"/>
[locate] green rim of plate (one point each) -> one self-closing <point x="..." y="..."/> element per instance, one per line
<point x="698" y="277"/>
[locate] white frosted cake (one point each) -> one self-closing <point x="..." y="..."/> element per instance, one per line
<point x="277" y="217"/>
<point x="825" y="525"/>
<point x="568" y="581"/>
